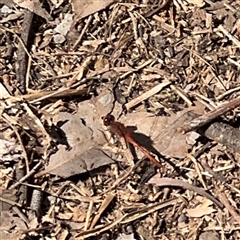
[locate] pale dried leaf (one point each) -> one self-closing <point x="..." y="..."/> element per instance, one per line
<point x="59" y="38"/>
<point x="9" y="148"/>
<point x="163" y="132"/>
<point x="34" y="6"/>
<point x="83" y="8"/>
<point x="201" y="210"/>
<point x="123" y="236"/>
<point x="171" y="142"/>
<point x="6" y="9"/>
<point x="77" y="160"/>
<point x="65" y="25"/>
<point x="4" y="92"/>
<point x="85" y="136"/>
<point x="9" y="221"/>
<point x="84" y="154"/>
<point x="191" y="137"/>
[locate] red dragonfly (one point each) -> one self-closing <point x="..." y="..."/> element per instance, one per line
<point x="122" y="131"/>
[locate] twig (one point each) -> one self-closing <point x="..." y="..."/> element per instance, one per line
<point x="210" y="116"/>
<point x="182" y="94"/>
<point x="89" y="20"/>
<point x="102" y="208"/>
<point x="21" y="63"/>
<point x="34" y="169"/>
<point x="230" y="36"/>
<point x="10" y="202"/>
<point x="229" y="207"/>
<point x="194" y="160"/>
<point x="230" y="91"/>
<point x="127" y="218"/>
<point x="147" y="94"/>
<point x="179" y="183"/>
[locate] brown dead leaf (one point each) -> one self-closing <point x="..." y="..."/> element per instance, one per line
<point x="34" y="6"/>
<point x="83" y="8"/>
<point x="209" y="235"/>
<point x="9" y="221"/>
<point x="84" y="154"/>
<point x="79" y="214"/>
<point x="201" y="210"/>
<point x="85" y="137"/>
<point x="163" y="131"/>
<point x="171" y="142"/>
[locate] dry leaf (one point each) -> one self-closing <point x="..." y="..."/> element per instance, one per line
<point x="83" y="8"/>
<point x="123" y="236"/>
<point x="34" y="6"/>
<point x="171" y="142"/>
<point x="4" y="92"/>
<point x="79" y="214"/>
<point x="163" y="132"/>
<point x="63" y="28"/>
<point x="209" y="235"/>
<point x="6" y="9"/>
<point x="8" y="222"/>
<point x="84" y="136"/>
<point x="9" y="148"/>
<point x="84" y="153"/>
<point x="202" y="210"/>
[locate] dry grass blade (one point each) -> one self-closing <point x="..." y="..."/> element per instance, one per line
<point x="101" y="209"/>
<point x="147" y="94"/>
<point x="127" y="218"/>
<point x="42" y="95"/>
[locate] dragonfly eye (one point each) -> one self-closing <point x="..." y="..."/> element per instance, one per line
<point x="108" y="119"/>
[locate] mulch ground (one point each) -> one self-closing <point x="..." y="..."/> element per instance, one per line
<point x="169" y="69"/>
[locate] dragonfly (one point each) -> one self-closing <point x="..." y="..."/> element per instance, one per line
<point x="121" y="130"/>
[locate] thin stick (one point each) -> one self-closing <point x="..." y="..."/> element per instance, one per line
<point x="229" y="207"/>
<point x="10" y="202"/>
<point x="147" y="94"/>
<point x="210" y="116"/>
<point x="34" y="169"/>
<point x="230" y="36"/>
<point x="89" y="20"/>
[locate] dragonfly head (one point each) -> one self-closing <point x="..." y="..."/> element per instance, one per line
<point x="108" y="119"/>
